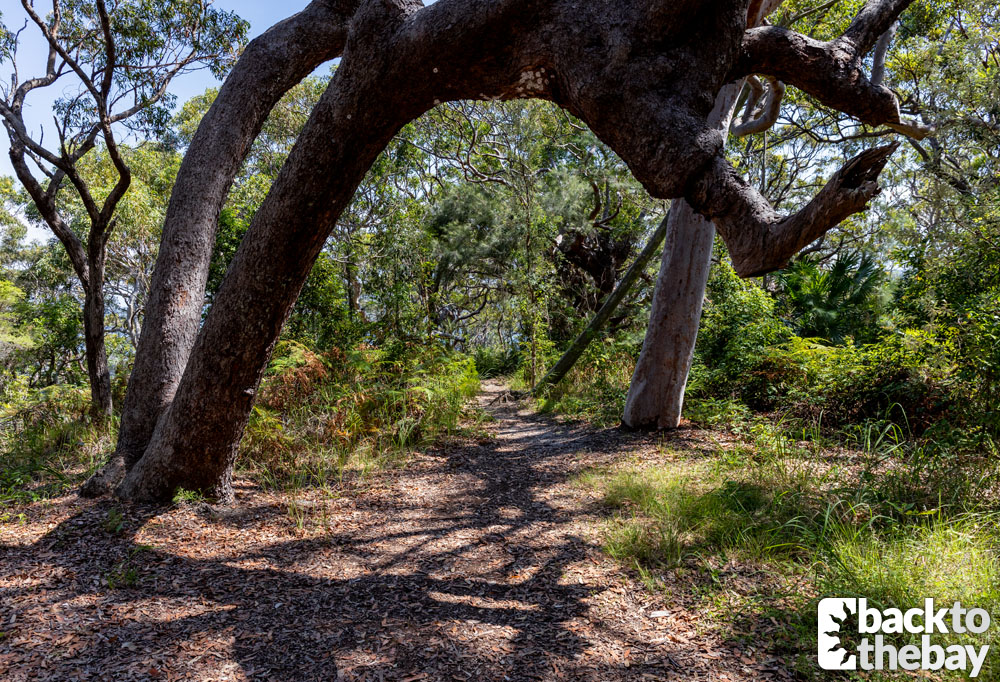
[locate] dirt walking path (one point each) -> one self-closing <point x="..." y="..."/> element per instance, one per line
<point x="479" y="562"/>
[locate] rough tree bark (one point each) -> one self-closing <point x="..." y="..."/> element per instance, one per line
<point x="656" y="393"/>
<point x="643" y="75"/>
<point x="271" y="64"/>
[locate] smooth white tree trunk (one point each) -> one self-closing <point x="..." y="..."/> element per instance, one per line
<point x="656" y="393"/>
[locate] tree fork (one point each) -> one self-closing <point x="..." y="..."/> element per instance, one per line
<point x="400" y="60"/>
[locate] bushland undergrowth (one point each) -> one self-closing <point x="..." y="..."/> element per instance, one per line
<point x="321" y="416"/>
<point x="868" y="476"/>
<point x="865" y="463"/>
<point x="877" y="519"/>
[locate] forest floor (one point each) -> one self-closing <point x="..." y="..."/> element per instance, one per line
<point x="478" y="561"/>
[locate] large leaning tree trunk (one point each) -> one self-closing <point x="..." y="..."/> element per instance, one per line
<point x="111" y="68"/>
<point x="270" y="66"/>
<point x="643" y="74"/>
<point x="656" y="393"/>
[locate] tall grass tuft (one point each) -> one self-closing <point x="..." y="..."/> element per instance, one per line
<point x="886" y="527"/>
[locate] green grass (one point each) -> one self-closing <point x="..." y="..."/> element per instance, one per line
<point x="780" y="505"/>
<point x="182" y="495"/>
<point x="754" y="517"/>
<point x="127" y="572"/>
<point x="49" y="445"/>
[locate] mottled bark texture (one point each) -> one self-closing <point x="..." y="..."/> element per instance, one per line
<point x="270" y="65"/>
<point x="642" y="74"/>
<point x="656" y="393"/>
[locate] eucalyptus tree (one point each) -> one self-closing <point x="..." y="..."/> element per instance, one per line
<point x="111" y="64"/>
<point x="747" y="109"/>
<point x="565" y="212"/>
<point x="946" y="69"/>
<point x="131" y="247"/>
<point x="642" y="75"/>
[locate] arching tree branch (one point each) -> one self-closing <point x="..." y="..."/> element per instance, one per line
<point x="642" y="75"/>
<point x="769" y="114"/>
<point x="760" y="240"/>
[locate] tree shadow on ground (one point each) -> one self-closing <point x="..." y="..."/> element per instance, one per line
<point x="471" y="565"/>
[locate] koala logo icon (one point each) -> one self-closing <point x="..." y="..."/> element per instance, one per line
<point x="834" y="614"/>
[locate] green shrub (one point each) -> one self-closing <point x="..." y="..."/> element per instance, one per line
<point x="321" y="414"/>
<point x="976" y="381"/>
<point x="901" y="376"/>
<point x="738" y="326"/>
<point x="709" y="412"/>
<point x="596" y="387"/>
<point x="835" y="301"/>
<point x="496" y="361"/>
<point x="48" y="442"/>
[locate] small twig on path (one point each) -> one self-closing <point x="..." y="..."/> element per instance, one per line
<point x="509" y="397"/>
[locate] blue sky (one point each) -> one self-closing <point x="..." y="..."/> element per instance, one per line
<point x="261" y="14"/>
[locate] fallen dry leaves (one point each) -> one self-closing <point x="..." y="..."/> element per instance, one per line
<point x="480" y="562"/>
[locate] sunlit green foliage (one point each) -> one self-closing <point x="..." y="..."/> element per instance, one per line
<point x="835" y="302"/>
<point x="346" y="411"/>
